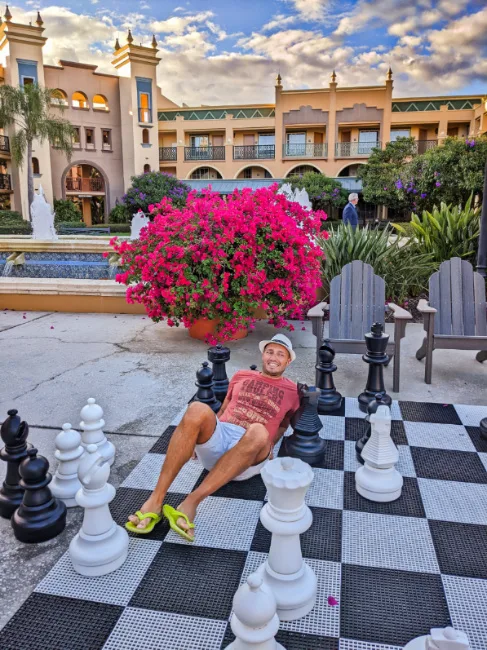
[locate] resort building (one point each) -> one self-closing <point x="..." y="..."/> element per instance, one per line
<point x="126" y="126"/>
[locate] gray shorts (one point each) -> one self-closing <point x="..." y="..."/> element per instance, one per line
<point x="225" y="436"/>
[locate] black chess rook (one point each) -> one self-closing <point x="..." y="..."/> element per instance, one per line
<point x="219" y="355"/>
<point x="329" y="399"/>
<point x="376" y="343"/>
<point x="305" y="442"/>
<point x="253" y="367"/>
<point x="204" y="383"/>
<point x="40" y="516"/>
<point x="14" y="434"/>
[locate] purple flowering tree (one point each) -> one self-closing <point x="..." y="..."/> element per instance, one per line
<point x="150" y="188"/>
<point x="324" y="192"/>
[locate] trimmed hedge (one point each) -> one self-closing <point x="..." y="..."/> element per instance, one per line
<point x="24" y="228"/>
<point x="119" y="227"/>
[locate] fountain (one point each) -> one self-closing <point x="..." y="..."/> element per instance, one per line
<point x="139" y="221"/>
<point x="296" y="196"/>
<point x="42" y="218"/>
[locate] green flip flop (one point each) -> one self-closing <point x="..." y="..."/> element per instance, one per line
<point x="155" y="519"/>
<point x="172" y="515"/>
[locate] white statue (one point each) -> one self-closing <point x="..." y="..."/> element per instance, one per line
<point x="42" y="218"/>
<point x="296" y="196"/>
<point x="139" y="221"/>
<point x="440" y="639"/>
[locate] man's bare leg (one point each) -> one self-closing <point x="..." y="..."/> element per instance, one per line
<point x="253" y="448"/>
<point x="196" y="427"/>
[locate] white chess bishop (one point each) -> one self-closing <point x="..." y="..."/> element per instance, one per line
<point x="286" y="516"/>
<point x="66" y="483"/>
<point x="378" y="479"/>
<point x="91" y="425"/>
<point x="254" y="620"/>
<point x="440" y="639"/>
<point x="101" y="546"/>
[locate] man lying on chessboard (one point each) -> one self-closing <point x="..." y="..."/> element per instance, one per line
<point x="233" y="445"/>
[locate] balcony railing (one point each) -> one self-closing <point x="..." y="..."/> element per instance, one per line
<point x="5" y="182"/>
<point x="168" y="153"/>
<point x="204" y="153"/>
<point x="355" y="149"/>
<point x="425" y="145"/>
<point x="305" y="150"/>
<point x="254" y="151"/>
<point x="4" y="144"/>
<point x="84" y="184"/>
<point x="145" y="115"/>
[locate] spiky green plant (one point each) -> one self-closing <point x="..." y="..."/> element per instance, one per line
<point x="446" y="232"/>
<point x="395" y="258"/>
<point x="26" y="109"/>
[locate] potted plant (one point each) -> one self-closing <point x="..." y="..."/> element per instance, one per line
<point x="212" y="263"/>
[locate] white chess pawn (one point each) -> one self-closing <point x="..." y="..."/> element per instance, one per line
<point x="65" y="483"/>
<point x="101" y="546"/>
<point x="286" y="516"/>
<point x="378" y="479"/>
<point x="92" y="424"/>
<point x="440" y="639"/>
<point x="254" y="620"/>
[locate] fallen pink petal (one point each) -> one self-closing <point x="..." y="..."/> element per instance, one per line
<point x="303" y="329"/>
<point x="24" y="316"/>
<point x="332" y="601"/>
<point x="52" y="327"/>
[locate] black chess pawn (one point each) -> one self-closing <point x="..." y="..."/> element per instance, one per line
<point x="14" y="434"/>
<point x="219" y="355"/>
<point x="371" y="408"/>
<point x="253" y="367"/>
<point x="204" y="383"/>
<point x="483" y="428"/>
<point x="329" y="399"/>
<point x="305" y="442"/>
<point x="376" y="343"/>
<point x="40" y="516"/>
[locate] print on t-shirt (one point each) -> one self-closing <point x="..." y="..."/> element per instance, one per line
<point x="257" y="402"/>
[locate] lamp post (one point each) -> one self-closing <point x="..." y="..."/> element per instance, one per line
<point x="482" y="254"/>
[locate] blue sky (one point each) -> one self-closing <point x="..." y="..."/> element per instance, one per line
<point x="228" y="51"/>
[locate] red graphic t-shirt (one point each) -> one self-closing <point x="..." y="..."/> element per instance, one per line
<point x="256" y="399"/>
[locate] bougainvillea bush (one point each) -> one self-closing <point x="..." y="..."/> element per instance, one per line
<point x="221" y="258"/>
<point x="150" y="187"/>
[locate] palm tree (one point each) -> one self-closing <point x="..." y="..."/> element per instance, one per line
<point x="26" y="108"/>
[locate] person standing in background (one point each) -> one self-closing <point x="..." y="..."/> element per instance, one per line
<point x="350" y="214"/>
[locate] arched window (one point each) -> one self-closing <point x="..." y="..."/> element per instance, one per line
<point x="79" y="100"/>
<point x="35" y="166"/>
<point x="59" y="98"/>
<point x="302" y="169"/>
<point x="100" y="103"/>
<point x="145" y="136"/>
<point x="203" y="173"/>
<point x="146" y="169"/>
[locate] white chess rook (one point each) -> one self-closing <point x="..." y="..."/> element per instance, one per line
<point x="91" y="425"/>
<point x="286" y="516"/>
<point x="440" y="639"/>
<point x="378" y="480"/>
<point x="101" y="546"/>
<point x="66" y="483"/>
<point x="254" y="620"/>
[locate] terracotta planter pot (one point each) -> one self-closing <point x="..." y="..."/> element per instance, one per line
<point x="202" y="327"/>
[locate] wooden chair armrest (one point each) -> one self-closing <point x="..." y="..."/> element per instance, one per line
<point x="317" y="310"/>
<point x="399" y="312"/>
<point x="424" y="307"/>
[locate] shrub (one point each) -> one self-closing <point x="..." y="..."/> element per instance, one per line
<point x="66" y="212"/>
<point x="221" y="258"/>
<point x="119" y="214"/>
<point x="24" y="228"/>
<point x="323" y="192"/>
<point x="150" y="188"/>
<point x="10" y="217"/>
<point x="450" y="231"/>
<point x="404" y="269"/>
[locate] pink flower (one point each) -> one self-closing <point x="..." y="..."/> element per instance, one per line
<point x="52" y="327"/>
<point x="332" y="601"/>
<point x="303" y="329"/>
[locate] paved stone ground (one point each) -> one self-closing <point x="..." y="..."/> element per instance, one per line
<point x="142" y="374"/>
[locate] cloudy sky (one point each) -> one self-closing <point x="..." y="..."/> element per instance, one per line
<point x="229" y="51"/>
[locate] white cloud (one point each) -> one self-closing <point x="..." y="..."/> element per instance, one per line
<point x="279" y="20"/>
<point x="178" y="24"/>
<point x="311" y="9"/>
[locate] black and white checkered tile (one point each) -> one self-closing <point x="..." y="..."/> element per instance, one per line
<point x="395" y="569"/>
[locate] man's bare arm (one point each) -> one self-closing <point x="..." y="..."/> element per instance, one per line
<point x="223" y="407"/>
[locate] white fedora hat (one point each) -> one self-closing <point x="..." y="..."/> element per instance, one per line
<point x="279" y="339"/>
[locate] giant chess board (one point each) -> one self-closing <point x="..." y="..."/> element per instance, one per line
<point x="396" y="569"/>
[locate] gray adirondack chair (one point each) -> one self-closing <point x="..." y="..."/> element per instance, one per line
<point x="357" y="300"/>
<point x="455" y="316"/>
